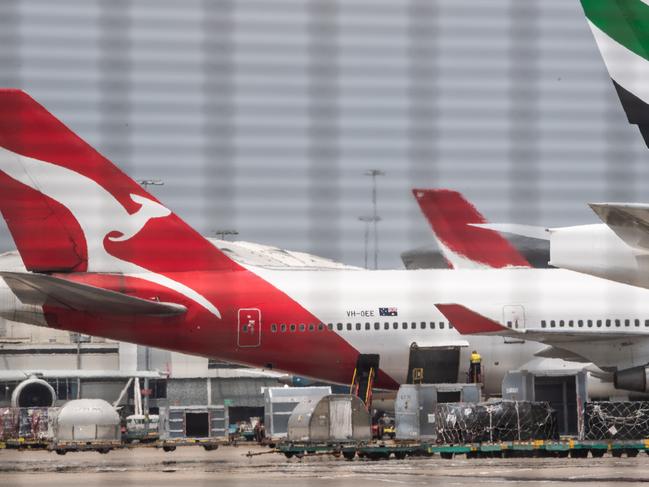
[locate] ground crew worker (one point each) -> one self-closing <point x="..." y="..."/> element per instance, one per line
<point x="475" y="371"/>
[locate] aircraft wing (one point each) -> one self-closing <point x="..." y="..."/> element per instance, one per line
<point x="629" y="221"/>
<point x="40" y="289"/>
<point x="468" y="322"/>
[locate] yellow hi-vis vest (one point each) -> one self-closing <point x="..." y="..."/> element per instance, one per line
<point x="476" y="358"/>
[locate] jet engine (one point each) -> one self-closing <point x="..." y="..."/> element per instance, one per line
<point x="633" y="379"/>
<point x="33" y="392"/>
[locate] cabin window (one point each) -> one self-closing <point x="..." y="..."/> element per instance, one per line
<point x="599" y="323"/>
<point x="552" y="324"/>
<point x="330" y="326"/>
<point x="320" y="326"/>
<point x="580" y="323"/>
<point x="637" y="322"/>
<point x="386" y="326"/>
<point x="441" y="325"/>
<point x="404" y="326"/>
<point x="422" y="325"/>
<point x="432" y="325"/>
<point x="377" y="326"/>
<point x="339" y="326"/>
<point x="450" y="325"/>
<point x="292" y="327"/>
<point x="311" y="327"/>
<point x="590" y="323"/>
<point x="561" y="323"/>
<point x="608" y="323"/>
<point x="543" y="324"/>
<point x="626" y="323"/>
<point x="273" y="328"/>
<point x="367" y="326"/>
<point x="349" y="327"/>
<point x="395" y="326"/>
<point x="617" y="323"/>
<point x="646" y="322"/>
<point x="509" y="324"/>
<point x="358" y="326"/>
<point x="282" y="327"/>
<point x="302" y="327"/>
<point x="413" y="325"/>
<point x="570" y="323"/>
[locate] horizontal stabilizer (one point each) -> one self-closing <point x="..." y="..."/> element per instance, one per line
<point x="41" y="289"/>
<point x="468" y="322"/>
<point x="529" y="231"/>
<point x="629" y="221"/>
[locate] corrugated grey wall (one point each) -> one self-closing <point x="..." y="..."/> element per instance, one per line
<point x="262" y="116"/>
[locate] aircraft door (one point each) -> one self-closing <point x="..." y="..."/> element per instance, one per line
<point x="514" y="316"/>
<point x="249" y="327"/>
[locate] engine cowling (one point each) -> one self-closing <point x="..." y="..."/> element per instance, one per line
<point x="633" y="379"/>
<point x="33" y="392"/>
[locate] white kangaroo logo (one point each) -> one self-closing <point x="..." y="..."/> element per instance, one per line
<point x="98" y="213"/>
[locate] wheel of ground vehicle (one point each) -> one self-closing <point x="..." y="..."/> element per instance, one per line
<point x="61" y="452"/>
<point x="446" y="455"/>
<point x="617" y="453"/>
<point x="210" y="447"/>
<point x="631" y="452"/>
<point x="288" y="454"/>
<point x="579" y="453"/>
<point x="349" y="455"/>
<point x="103" y="451"/>
<point x="597" y="453"/>
<point x="168" y="448"/>
<point x="400" y="455"/>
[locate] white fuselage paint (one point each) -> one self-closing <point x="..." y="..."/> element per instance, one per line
<point x="543" y="294"/>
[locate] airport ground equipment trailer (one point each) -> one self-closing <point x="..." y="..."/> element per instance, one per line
<point x="380" y="450"/>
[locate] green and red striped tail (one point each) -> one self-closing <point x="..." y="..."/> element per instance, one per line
<point x="621" y="30"/>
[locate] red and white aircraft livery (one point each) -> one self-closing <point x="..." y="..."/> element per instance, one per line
<point x="106" y="258"/>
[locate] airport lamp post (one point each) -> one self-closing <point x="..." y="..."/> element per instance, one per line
<point x="147" y="351"/>
<point x="367" y="220"/>
<point x="373" y="173"/>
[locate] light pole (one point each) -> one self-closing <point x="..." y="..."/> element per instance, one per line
<point x="374" y="173"/>
<point x="145" y="183"/>
<point x="367" y="220"/>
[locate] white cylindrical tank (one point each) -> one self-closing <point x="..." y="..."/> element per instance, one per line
<point x="87" y="420"/>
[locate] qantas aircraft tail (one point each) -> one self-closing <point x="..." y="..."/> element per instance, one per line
<point x="69" y="209"/>
<point x="621" y="30"/>
<point x="452" y="219"/>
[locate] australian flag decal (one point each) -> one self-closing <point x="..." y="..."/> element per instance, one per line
<point x="388" y="312"/>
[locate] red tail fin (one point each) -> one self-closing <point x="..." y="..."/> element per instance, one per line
<point x="70" y="209"/>
<point x="450" y="216"/>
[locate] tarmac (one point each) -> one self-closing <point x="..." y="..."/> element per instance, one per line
<point x="229" y="466"/>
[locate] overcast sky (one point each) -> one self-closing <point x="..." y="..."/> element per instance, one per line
<point x="262" y="116"/>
